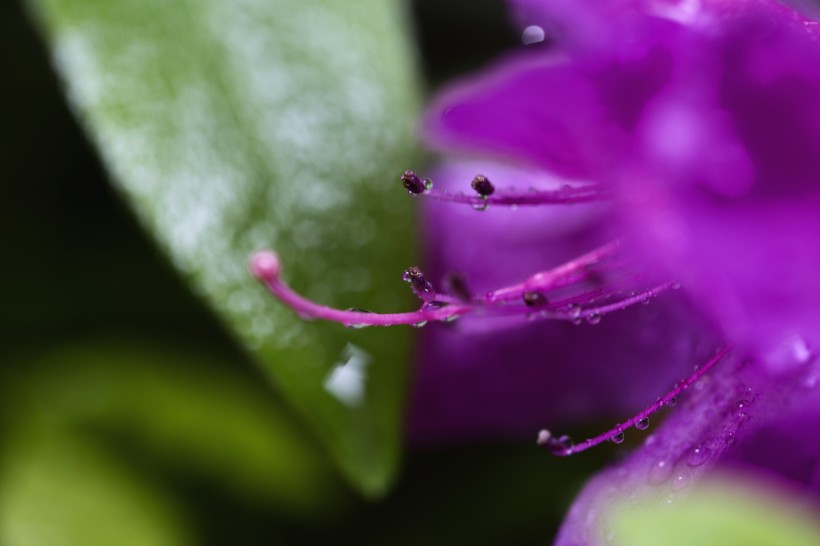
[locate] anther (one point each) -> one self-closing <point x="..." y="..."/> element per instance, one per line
<point x="415" y="277"/>
<point x="412" y="183"/>
<point x="483" y="186"/>
<point x="535" y="299"/>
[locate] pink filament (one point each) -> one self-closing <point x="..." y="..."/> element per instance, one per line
<point x="266" y="267"/>
<point x="567" y="195"/>
<point x="564" y="450"/>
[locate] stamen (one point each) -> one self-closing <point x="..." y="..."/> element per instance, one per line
<point x="414" y="184"/>
<point x="265" y="266"/>
<point x="488" y="194"/>
<point x="568" y="273"/>
<point x="439" y="307"/>
<point x="639" y="421"/>
<point x="482" y="186"/>
<point x="421" y="286"/>
<point x="535" y="299"/>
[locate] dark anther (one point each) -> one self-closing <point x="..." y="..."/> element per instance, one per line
<point x="456" y="284"/>
<point x="483" y="186"/>
<point x="535" y="299"/>
<point x="415" y="277"/>
<point x="412" y="183"/>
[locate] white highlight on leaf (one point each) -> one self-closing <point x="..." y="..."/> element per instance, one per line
<point x="347" y="380"/>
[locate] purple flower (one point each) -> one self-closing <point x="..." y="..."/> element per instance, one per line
<point x="654" y="143"/>
<point x="703" y="118"/>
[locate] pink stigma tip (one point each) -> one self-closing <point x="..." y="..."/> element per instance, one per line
<point x="265" y="266"/>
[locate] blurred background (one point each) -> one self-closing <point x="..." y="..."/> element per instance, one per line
<point x="129" y="416"/>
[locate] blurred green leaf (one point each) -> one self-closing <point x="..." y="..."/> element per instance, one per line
<point x="58" y="490"/>
<point x="233" y="125"/>
<point x="185" y="410"/>
<point x="734" y="511"/>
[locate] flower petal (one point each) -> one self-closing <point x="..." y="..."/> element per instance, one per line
<point x="723" y="414"/>
<point x="726" y="186"/>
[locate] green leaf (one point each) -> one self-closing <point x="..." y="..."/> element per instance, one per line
<point x="235" y="125"/>
<point x="178" y="409"/>
<point x="58" y="490"/>
<point x="733" y="510"/>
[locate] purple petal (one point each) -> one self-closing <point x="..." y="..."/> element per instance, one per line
<point x="725" y="414"/>
<point x="726" y="185"/>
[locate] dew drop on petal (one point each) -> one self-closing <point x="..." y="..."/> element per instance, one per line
<point x="697" y="456"/>
<point x="421" y="324"/>
<point x="672" y="401"/>
<point x="660" y="472"/>
<point x="617" y="438"/>
<point x="480" y="206"/>
<point x="680" y="482"/>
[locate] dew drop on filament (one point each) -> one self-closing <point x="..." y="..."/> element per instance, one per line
<point x="594" y="318"/>
<point x="353" y="326"/>
<point x="643" y="424"/>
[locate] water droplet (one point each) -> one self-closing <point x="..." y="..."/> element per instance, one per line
<point x="533" y="34"/>
<point x="617" y="438"/>
<point x="660" y="471"/>
<point x="421" y="324"/>
<point x="672" y="401"/>
<point x="432" y="306"/>
<point x="643" y="424"/>
<point x="544" y="436"/>
<point x="697" y="456"/>
<point x="574" y="310"/>
<point x="676" y="285"/>
<point x="357" y="326"/>
<point x="480" y="206"/>
<point x="451" y="318"/>
<point x="680" y="482"/>
<point x="646" y="301"/>
<point x="594" y="318"/>
<point x="428" y="184"/>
